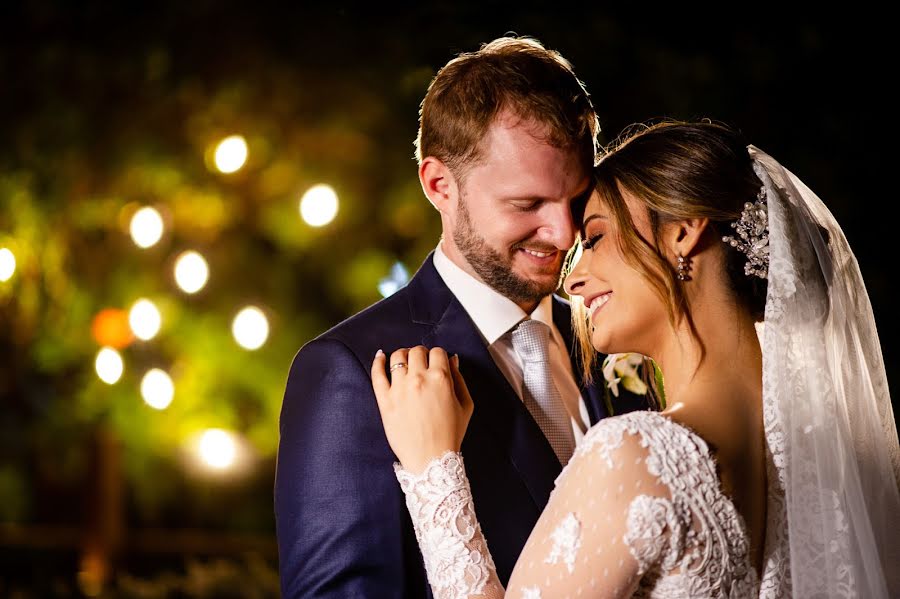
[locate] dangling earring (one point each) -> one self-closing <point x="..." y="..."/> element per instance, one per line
<point x="684" y="267"/>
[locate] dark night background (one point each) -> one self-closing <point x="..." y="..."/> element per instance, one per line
<point x="108" y="106"/>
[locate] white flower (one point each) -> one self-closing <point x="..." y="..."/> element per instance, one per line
<point x="624" y="368"/>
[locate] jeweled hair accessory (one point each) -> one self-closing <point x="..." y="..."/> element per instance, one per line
<point x="753" y="230"/>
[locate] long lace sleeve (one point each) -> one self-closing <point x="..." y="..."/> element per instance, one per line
<point x="457" y="560"/>
<point x="609" y="521"/>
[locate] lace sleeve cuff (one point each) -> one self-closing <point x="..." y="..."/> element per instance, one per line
<point x="440" y="504"/>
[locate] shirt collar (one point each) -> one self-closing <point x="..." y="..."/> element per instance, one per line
<point x="493" y="313"/>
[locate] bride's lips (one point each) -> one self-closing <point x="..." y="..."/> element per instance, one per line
<point x="596" y="302"/>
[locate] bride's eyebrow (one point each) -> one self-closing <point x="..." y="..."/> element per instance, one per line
<point x="595" y="216"/>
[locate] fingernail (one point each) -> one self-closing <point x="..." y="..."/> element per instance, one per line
<point x="379" y="353"/>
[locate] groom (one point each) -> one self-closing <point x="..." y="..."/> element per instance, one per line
<point x="505" y="148"/>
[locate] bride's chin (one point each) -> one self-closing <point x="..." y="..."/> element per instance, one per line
<point x="603" y="346"/>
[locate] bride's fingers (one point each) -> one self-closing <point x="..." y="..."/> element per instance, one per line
<point x="459" y="384"/>
<point x="380" y="382"/>
<point x="438" y="360"/>
<point x="418" y="359"/>
<point x="398" y="357"/>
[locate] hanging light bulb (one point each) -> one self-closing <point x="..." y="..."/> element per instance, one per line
<point x="146" y="227"/>
<point x="231" y="154"/>
<point x="250" y="328"/>
<point x="144" y="319"/>
<point x="319" y="205"/>
<point x="217" y="448"/>
<point x="7" y="264"/>
<point x="157" y="389"/>
<point x="109" y="365"/>
<point x="191" y="272"/>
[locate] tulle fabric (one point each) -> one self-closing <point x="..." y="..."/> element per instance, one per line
<point x="834" y="457"/>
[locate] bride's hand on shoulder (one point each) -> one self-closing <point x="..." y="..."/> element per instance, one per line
<point x="425" y="405"/>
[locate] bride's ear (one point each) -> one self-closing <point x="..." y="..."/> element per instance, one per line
<point x="683" y="237"/>
<point x="438" y="183"/>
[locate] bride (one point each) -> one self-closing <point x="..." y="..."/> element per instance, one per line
<point x="773" y="469"/>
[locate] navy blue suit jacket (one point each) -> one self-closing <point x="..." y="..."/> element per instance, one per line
<point x="343" y="529"/>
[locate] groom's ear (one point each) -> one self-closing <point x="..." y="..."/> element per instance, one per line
<point x="438" y="183"/>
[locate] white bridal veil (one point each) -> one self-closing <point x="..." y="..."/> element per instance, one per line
<point x="834" y="461"/>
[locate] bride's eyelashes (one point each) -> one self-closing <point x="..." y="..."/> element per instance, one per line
<point x="591" y="241"/>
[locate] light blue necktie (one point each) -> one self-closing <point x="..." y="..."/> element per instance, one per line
<point x="530" y="339"/>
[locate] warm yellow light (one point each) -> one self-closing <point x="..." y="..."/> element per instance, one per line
<point x="191" y="272"/>
<point x="231" y="154"/>
<point x="250" y="328"/>
<point x="144" y="319"/>
<point x="7" y="264"/>
<point x="319" y="205"/>
<point x="109" y="365"/>
<point x="157" y="389"/>
<point x="217" y="448"/>
<point x="146" y="227"/>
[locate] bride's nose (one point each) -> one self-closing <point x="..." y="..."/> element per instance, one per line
<point x="577" y="279"/>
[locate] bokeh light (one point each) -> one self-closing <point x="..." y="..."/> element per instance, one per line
<point x="145" y="319"/>
<point x="319" y="205"/>
<point x="7" y="264"/>
<point x="392" y="283"/>
<point x="157" y="389"/>
<point x="191" y="272"/>
<point x="146" y="227"/>
<point x="110" y="328"/>
<point x="217" y="448"/>
<point x="250" y="328"/>
<point x="109" y="365"/>
<point x="231" y="154"/>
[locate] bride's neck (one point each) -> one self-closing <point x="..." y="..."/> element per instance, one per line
<point x="724" y="354"/>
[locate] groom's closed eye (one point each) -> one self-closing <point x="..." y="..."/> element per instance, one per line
<point x="525" y="204"/>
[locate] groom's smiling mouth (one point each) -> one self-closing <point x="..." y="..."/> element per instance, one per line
<point x="542" y="257"/>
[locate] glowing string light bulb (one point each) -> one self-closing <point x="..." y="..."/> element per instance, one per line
<point x="144" y="319"/>
<point x="319" y="205"/>
<point x="109" y="365"/>
<point x="250" y="328"/>
<point x="7" y="264"/>
<point x="157" y="389"/>
<point x="231" y="154"/>
<point x="146" y="227"/>
<point x="217" y="448"/>
<point x="191" y="272"/>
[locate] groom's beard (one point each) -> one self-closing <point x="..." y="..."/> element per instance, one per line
<point x="494" y="268"/>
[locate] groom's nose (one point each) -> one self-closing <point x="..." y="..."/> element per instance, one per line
<point x="557" y="226"/>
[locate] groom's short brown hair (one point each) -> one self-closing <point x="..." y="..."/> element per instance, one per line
<point x="510" y="73"/>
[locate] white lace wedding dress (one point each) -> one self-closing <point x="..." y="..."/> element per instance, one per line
<point x="638" y="511"/>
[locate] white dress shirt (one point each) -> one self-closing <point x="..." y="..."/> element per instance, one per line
<point x="495" y="316"/>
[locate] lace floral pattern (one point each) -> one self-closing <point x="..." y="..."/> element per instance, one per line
<point x="566" y="542"/>
<point x="694" y="543"/>
<point x="685" y="536"/>
<point x="439" y="501"/>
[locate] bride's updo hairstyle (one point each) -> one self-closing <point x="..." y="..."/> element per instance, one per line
<point x="678" y="170"/>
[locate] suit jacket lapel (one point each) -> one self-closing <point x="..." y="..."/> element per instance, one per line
<point x="498" y="409"/>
